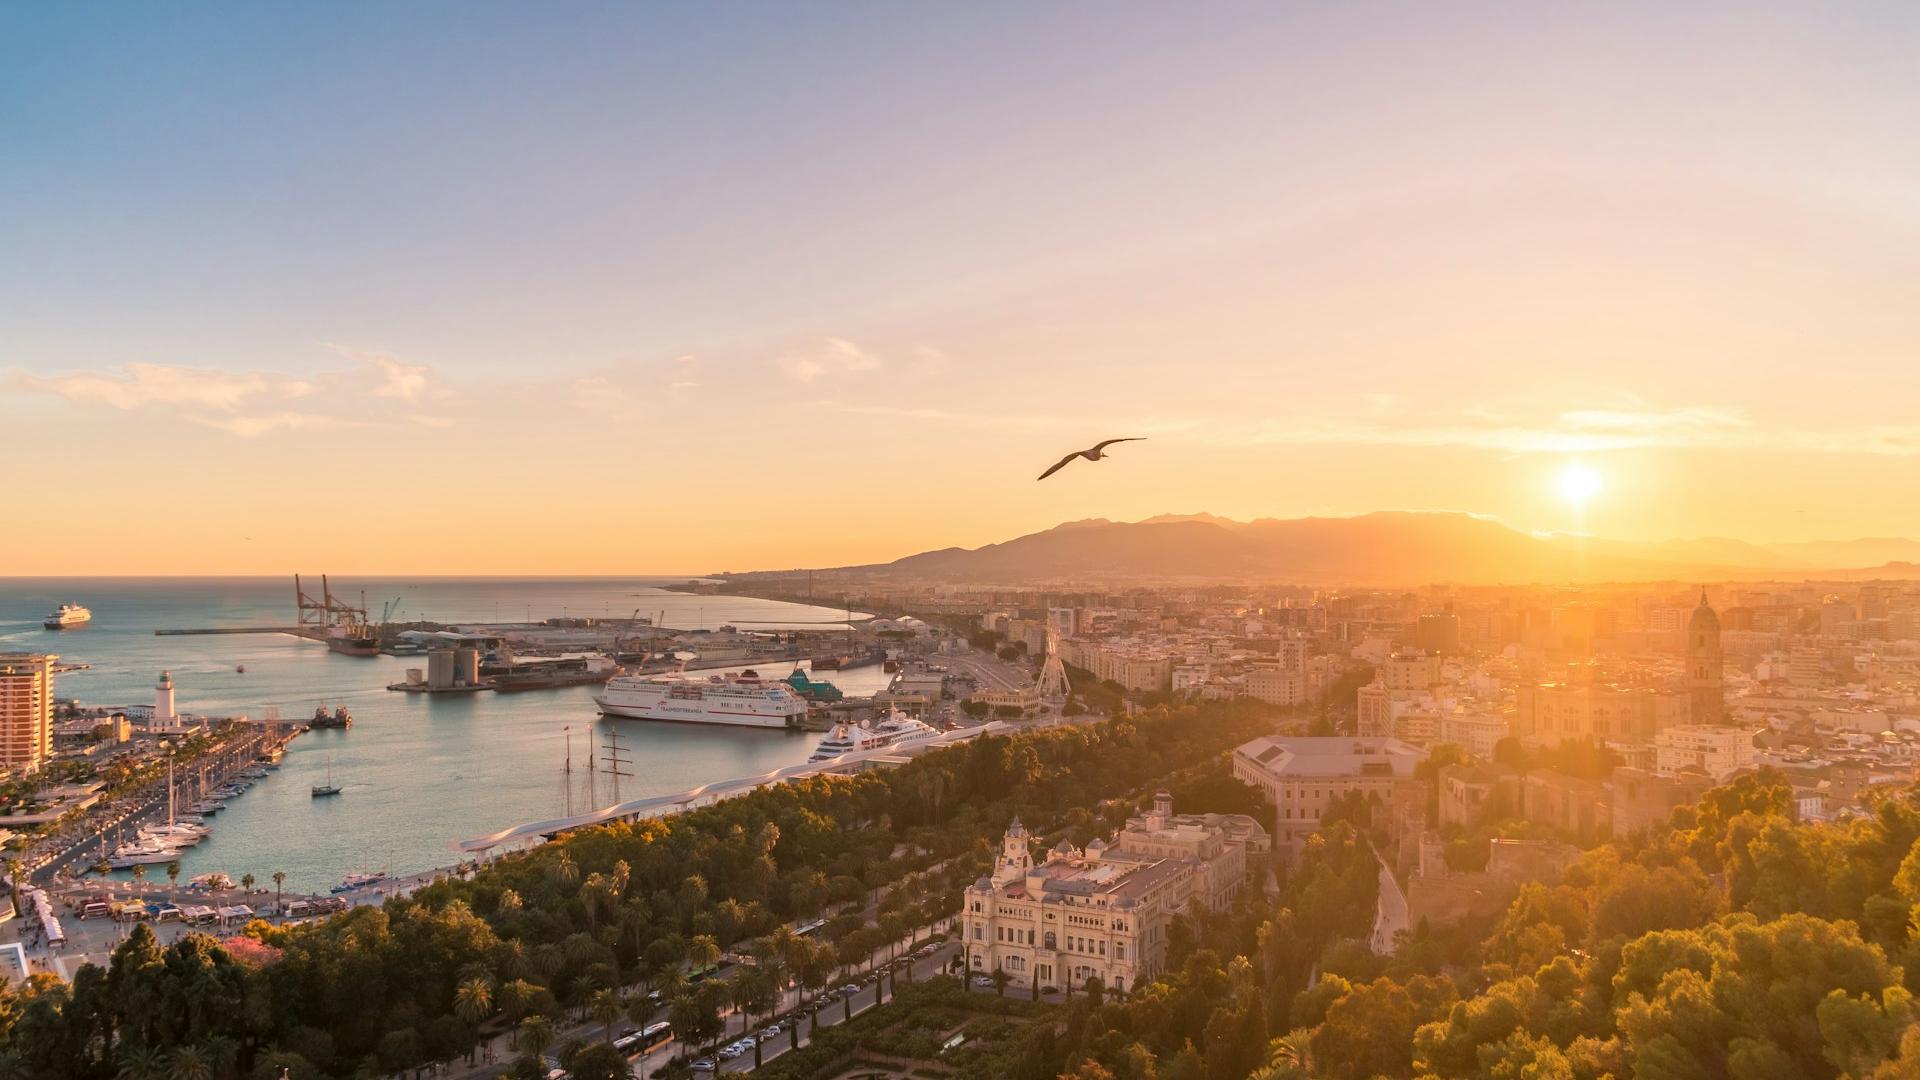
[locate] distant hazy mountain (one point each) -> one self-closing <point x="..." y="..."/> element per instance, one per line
<point x="1382" y="548"/>
<point x="1705" y="551"/>
<point x="1853" y="553"/>
<point x="1388" y="548"/>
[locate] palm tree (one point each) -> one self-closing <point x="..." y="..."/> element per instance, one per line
<point x="762" y="994"/>
<point x="514" y="998"/>
<point x="139" y="872"/>
<point x="173" y="874"/>
<point x="279" y="883"/>
<point x="703" y="952"/>
<point x="142" y="1063"/>
<point x="102" y="868"/>
<point x="472" y="1003"/>
<point x="189" y="1063"/>
<point x="605" y="1007"/>
<point x="536" y="1035"/>
<point x="246" y="882"/>
<point x="816" y="970"/>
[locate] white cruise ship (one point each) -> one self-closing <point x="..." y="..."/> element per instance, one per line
<point x="68" y="617"/>
<point x="743" y="700"/>
<point x="897" y="729"/>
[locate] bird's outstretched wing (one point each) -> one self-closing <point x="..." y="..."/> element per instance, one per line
<point x="1058" y="465"/>
<point x="1103" y="445"/>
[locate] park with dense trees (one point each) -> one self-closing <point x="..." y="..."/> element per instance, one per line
<point x="587" y="926"/>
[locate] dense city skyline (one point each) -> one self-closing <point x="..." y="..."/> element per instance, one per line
<point x="329" y="288"/>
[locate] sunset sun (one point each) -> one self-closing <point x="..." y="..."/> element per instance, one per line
<point x="1579" y="484"/>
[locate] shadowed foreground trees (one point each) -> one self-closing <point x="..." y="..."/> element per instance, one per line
<point x="1738" y="944"/>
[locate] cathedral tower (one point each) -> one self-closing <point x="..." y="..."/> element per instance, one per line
<point x="1706" y="669"/>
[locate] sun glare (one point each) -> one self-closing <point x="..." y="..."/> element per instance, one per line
<point x="1579" y="484"/>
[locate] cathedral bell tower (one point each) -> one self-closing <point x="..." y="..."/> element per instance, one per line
<point x="1706" y="668"/>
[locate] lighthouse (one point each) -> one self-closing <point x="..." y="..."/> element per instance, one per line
<point x="164" y="718"/>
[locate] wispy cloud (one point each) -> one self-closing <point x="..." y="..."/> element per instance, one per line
<point x="396" y="379"/>
<point x="948" y="416"/>
<point x="250" y="403"/>
<point x="1387" y="421"/>
<point x="140" y="385"/>
<point x="828" y="356"/>
<point x="248" y="427"/>
<point x="1573" y="431"/>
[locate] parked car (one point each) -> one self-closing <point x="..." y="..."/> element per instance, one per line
<point x="704" y="1065"/>
<point x="985" y="981"/>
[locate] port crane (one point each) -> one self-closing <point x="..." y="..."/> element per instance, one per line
<point x="625" y="645"/>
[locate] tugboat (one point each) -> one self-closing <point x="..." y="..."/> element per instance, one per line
<point x="339" y="718"/>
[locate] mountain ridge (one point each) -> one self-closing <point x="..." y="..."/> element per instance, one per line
<point x="1390" y="547"/>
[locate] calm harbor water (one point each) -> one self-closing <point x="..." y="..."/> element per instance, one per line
<point x="421" y="772"/>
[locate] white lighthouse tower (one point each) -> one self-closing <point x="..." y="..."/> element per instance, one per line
<point x="164" y="718"/>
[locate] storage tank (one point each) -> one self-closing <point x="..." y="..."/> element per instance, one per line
<point x="466" y="666"/>
<point x="440" y="667"/>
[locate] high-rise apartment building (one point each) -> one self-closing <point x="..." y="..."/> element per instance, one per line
<point x="26" y="711"/>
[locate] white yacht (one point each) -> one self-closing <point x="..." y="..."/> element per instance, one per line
<point x="177" y="835"/>
<point x="145" y="853"/>
<point x="743" y="700"/>
<point x="895" y="729"/>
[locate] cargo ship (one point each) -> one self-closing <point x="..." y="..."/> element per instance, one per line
<point x="743" y="700"/>
<point x="68" y="617"/>
<point x="841" y="662"/>
<point x="353" y="639"/>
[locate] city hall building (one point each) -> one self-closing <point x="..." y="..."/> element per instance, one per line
<point x="1104" y="911"/>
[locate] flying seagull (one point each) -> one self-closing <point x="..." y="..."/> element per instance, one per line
<point x="1092" y="453"/>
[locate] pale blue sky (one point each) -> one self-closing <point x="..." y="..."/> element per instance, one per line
<point x="1332" y="258"/>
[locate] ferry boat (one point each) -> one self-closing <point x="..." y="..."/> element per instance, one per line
<point x="68" y="617"/>
<point x="896" y="729"/>
<point x="743" y="700"/>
